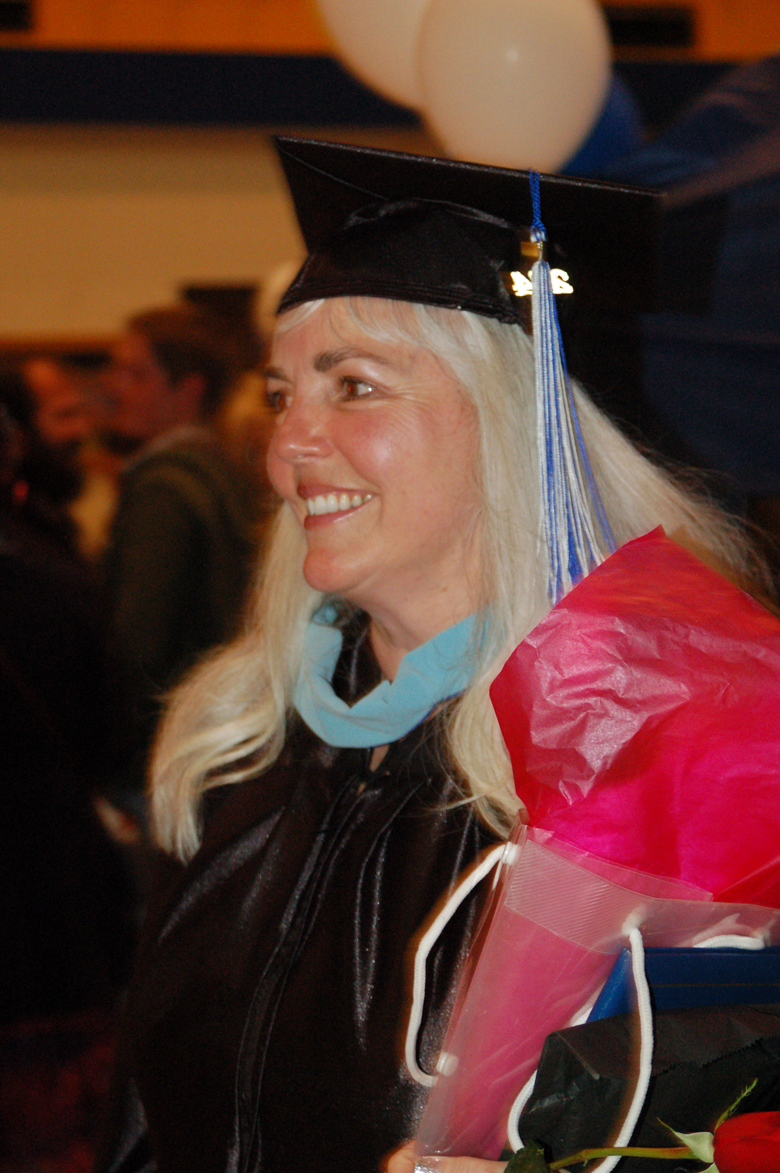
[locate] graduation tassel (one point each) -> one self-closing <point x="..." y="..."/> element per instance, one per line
<point x="575" y="528"/>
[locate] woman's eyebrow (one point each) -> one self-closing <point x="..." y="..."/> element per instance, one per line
<point x="331" y="358"/>
<point x="275" y="373"/>
<point x="327" y="359"/>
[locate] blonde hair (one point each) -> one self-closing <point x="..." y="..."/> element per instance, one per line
<point x="228" y="721"/>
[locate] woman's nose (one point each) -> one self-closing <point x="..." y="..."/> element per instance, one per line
<point x="301" y="433"/>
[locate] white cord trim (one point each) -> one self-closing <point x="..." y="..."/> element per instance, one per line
<point x="427" y="941"/>
<point x="645" y="1010"/>
<point x="644" y="1007"/>
<point x="515" y="1112"/>
<point x="732" y="941"/>
<point x="645" y="1062"/>
<point x="725" y="941"/>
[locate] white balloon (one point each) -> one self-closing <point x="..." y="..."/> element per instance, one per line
<point x="514" y="83"/>
<point x="377" y="40"/>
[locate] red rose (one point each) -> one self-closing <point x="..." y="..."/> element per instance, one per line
<point x="749" y="1143"/>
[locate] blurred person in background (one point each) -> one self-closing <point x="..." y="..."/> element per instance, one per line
<point x="51" y="426"/>
<point x="184" y="537"/>
<point x="68" y="417"/>
<point x="64" y="416"/>
<point x="65" y="904"/>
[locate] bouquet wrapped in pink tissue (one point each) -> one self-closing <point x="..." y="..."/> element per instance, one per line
<point x="642" y="717"/>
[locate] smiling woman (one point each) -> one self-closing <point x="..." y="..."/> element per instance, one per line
<point x="321" y="784"/>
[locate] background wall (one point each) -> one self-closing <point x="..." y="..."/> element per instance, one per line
<point x="728" y="29"/>
<point x="273" y="26"/>
<point x="100" y="221"/>
<point x="101" y="216"/>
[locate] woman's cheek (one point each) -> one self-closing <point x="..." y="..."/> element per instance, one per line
<point x="280" y="475"/>
<point x="379" y="445"/>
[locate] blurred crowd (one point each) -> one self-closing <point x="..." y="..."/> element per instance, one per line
<point x="133" y="503"/>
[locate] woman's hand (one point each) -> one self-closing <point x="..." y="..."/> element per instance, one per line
<point x="403" y="1160"/>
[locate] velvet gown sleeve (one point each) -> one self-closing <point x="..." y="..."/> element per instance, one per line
<point x="177" y="568"/>
<point x="124" y="1141"/>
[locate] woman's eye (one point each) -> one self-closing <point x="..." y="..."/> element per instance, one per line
<point x="276" y="400"/>
<point x="355" y="388"/>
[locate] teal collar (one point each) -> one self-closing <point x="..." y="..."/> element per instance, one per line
<point x="432" y="673"/>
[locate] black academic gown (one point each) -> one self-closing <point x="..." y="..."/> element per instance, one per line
<point x="265" y="1024"/>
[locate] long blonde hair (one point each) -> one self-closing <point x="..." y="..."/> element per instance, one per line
<point x="227" y="722"/>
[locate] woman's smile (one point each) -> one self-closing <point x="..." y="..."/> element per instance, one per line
<point x="323" y="505"/>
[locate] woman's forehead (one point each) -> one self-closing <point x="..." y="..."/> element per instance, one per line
<point x="326" y="333"/>
<point x="369" y="314"/>
<point x="376" y="325"/>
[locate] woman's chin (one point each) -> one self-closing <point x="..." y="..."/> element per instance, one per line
<point x="324" y="573"/>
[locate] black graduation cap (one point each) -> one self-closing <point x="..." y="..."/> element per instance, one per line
<point x="443" y="232"/>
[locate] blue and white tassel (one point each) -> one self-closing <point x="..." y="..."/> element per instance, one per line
<point x="575" y="529"/>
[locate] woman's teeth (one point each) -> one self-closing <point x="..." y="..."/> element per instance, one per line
<point x="335" y="503"/>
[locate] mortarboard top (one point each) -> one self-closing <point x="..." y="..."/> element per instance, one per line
<point x="443" y="232"/>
